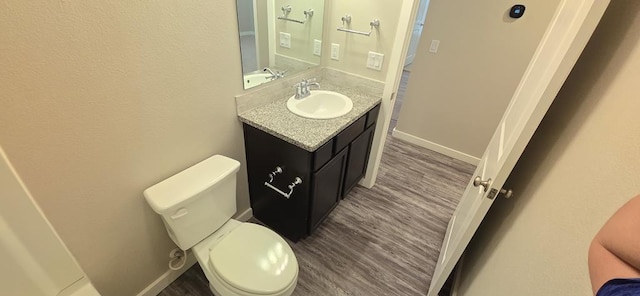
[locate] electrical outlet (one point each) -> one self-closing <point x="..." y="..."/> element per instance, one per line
<point x="434" y="46"/>
<point x="374" y="60"/>
<point x="317" y="47"/>
<point x="335" y="51"/>
<point x="285" y="40"/>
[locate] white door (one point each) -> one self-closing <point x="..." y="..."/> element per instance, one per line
<point x="417" y="31"/>
<point x="564" y="40"/>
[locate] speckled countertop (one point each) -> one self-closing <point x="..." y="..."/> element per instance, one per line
<point x="309" y="134"/>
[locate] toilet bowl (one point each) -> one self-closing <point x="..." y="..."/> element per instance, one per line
<point x="238" y="259"/>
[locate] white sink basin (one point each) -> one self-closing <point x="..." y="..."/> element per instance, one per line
<point x="321" y="104"/>
<point x="255" y="79"/>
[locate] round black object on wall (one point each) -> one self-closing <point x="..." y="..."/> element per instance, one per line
<point x="517" y="11"/>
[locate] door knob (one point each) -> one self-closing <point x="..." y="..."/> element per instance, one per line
<point x="484" y="183"/>
<point x="507" y="192"/>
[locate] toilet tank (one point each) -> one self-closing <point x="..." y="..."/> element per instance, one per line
<point x="197" y="201"/>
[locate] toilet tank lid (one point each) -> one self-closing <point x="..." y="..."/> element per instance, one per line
<point x="190" y="182"/>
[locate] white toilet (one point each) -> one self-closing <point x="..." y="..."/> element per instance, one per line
<point x="238" y="258"/>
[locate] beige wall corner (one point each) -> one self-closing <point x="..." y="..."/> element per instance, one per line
<point x="578" y="169"/>
<point x="456" y="97"/>
<point x="101" y="100"/>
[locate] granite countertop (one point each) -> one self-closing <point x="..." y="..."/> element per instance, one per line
<point x="309" y="134"/>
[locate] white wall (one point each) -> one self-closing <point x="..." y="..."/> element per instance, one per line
<point x="302" y="35"/>
<point x="354" y="49"/>
<point x="101" y="100"/>
<point x="455" y="98"/>
<point x="245" y="16"/>
<point x="579" y="168"/>
<point x="262" y="33"/>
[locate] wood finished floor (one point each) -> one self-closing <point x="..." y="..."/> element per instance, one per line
<point x="379" y="241"/>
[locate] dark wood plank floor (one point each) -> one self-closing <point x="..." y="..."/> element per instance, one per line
<point x="379" y="241"/>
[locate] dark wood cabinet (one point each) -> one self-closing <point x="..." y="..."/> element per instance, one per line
<point x="327" y="175"/>
<point x="326" y="189"/>
<point x="288" y="216"/>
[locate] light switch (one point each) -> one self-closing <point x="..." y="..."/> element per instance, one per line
<point x="335" y="51"/>
<point x="374" y="60"/>
<point x="317" y="47"/>
<point x="285" y="40"/>
<point x="434" y="46"/>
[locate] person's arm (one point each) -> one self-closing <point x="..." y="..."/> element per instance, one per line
<point x="615" y="250"/>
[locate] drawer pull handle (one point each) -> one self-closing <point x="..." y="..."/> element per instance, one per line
<point x="273" y="174"/>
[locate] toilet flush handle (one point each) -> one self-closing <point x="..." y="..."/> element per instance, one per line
<point x="179" y="214"/>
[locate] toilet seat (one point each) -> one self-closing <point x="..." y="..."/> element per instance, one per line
<point x="255" y="260"/>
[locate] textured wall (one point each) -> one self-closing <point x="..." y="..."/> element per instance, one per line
<point x="456" y="97"/>
<point x="100" y="100"/>
<point x="581" y="165"/>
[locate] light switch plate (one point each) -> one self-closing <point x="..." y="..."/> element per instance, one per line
<point x="335" y="51"/>
<point x="374" y="60"/>
<point x="285" y="40"/>
<point x="434" y="46"/>
<point x="317" y="47"/>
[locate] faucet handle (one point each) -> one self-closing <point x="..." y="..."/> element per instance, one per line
<point x="312" y="82"/>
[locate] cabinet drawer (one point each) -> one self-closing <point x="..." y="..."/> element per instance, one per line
<point x="322" y="155"/>
<point x="372" y="116"/>
<point x="348" y="134"/>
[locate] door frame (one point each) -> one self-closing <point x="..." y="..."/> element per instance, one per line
<point x="402" y="38"/>
<point x="420" y="16"/>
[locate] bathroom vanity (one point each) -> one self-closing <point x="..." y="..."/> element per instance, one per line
<point x="298" y="168"/>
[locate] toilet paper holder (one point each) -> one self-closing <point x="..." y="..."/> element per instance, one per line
<point x="292" y="186"/>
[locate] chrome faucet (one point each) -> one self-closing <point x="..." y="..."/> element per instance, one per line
<point x="274" y="74"/>
<point x="303" y="88"/>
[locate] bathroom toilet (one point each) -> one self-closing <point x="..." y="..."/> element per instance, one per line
<point x="239" y="259"/>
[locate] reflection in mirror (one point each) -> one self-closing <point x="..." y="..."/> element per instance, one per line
<point x="278" y="38"/>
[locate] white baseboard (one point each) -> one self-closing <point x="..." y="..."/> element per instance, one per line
<point x="171" y="275"/>
<point x="245" y="216"/>
<point x="167" y="278"/>
<point x="435" y="147"/>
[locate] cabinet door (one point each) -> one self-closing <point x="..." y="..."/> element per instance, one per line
<point x="326" y="189"/>
<point x="357" y="160"/>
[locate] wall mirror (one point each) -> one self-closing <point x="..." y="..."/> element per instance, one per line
<point x="278" y="38"/>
